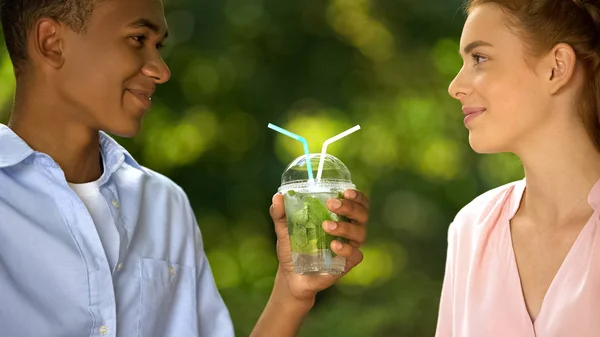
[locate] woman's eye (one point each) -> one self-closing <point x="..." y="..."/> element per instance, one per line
<point x="478" y="58"/>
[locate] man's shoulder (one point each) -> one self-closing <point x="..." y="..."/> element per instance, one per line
<point x="158" y="183"/>
<point x="152" y="182"/>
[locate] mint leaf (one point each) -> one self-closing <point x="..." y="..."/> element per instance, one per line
<point x="317" y="211"/>
<point x="306" y="231"/>
<point x="300" y="236"/>
<point x="300" y="218"/>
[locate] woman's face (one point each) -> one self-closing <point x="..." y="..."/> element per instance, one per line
<point x="502" y="96"/>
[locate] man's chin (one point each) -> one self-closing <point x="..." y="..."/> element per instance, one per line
<point x="125" y="129"/>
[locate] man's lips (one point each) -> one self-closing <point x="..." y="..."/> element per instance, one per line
<point x="145" y="97"/>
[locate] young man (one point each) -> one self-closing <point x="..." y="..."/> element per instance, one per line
<point x="92" y="243"/>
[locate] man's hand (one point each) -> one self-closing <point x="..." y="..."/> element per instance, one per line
<point x="354" y="206"/>
<point x="294" y="295"/>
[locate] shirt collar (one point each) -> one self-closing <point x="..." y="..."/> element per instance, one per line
<point x="515" y="196"/>
<point x="594" y="196"/>
<point x="14" y="150"/>
<point x="114" y="155"/>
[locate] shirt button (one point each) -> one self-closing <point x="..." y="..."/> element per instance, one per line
<point x="115" y="203"/>
<point x="120" y="266"/>
<point x="171" y="271"/>
<point x="103" y="330"/>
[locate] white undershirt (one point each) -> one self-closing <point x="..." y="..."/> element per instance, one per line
<point x="90" y="194"/>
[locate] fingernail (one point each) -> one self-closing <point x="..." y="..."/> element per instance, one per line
<point x="336" y="245"/>
<point x="331" y="225"/>
<point x="273" y="199"/>
<point x="335" y="203"/>
<point x="350" y="194"/>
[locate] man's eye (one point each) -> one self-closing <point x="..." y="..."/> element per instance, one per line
<point x="139" y="38"/>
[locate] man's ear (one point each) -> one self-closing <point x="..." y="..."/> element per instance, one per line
<point x="47" y="40"/>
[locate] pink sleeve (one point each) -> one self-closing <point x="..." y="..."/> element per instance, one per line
<point x="445" y="315"/>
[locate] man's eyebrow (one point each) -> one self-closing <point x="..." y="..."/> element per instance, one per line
<point x="479" y="43"/>
<point x="146" y="23"/>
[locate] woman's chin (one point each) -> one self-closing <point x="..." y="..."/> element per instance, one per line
<point x="483" y="145"/>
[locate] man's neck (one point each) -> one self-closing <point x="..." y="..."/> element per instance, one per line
<point x="44" y="126"/>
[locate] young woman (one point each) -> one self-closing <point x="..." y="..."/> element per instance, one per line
<point x="524" y="258"/>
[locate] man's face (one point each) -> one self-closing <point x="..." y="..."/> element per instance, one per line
<point x="111" y="70"/>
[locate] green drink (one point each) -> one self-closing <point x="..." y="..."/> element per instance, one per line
<point x="306" y="210"/>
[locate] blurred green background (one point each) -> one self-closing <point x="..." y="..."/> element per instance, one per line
<point x="317" y="68"/>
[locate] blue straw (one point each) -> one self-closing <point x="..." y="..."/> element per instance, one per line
<point x="301" y="140"/>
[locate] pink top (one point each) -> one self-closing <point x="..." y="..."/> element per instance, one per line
<point x="482" y="295"/>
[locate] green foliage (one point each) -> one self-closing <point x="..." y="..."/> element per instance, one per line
<point x="304" y="223"/>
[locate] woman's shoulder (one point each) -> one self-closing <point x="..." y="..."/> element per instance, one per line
<point x="487" y="208"/>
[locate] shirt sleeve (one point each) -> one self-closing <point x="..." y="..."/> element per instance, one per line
<point x="446" y="315"/>
<point x="213" y="317"/>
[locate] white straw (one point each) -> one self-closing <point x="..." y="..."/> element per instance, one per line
<point x="326" y="144"/>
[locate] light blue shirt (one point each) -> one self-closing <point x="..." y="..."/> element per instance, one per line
<point x="55" y="279"/>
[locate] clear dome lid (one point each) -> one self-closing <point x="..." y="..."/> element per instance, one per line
<point x="335" y="173"/>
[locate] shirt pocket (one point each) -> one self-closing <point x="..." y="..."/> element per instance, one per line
<point x="167" y="300"/>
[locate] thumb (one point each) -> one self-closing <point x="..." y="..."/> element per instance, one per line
<point x="277" y="212"/>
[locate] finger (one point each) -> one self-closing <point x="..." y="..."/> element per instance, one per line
<point x="341" y="249"/>
<point x="357" y="196"/>
<point x="350" y="209"/>
<point x="277" y="212"/>
<point x="352" y="232"/>
<point x="354" y="259"/>
<point x="277" y="209"/>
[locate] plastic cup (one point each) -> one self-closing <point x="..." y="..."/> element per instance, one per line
<point x="306" y="210"/>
